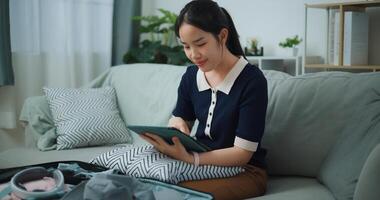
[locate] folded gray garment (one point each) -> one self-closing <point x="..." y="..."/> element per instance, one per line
<point x="110" y="186"/>
<point x="118" y="187"/>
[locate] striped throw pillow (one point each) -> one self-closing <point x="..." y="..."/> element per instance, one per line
<point x="147" y="162"/>
<point x="86" y="117"/>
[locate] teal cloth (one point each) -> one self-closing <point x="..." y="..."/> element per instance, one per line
<point x="125" y="32"/>
<point x="5" y="191"/>
<point x="341" y="169"/>
<point x="6" y="71"/>
<point x="40" y="130"/>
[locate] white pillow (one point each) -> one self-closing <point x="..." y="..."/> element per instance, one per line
<point x="147" y="162"/>
<point x="86" y="117"/>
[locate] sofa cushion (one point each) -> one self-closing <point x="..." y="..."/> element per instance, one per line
<point x="340" y="172"/>
<point x="295" y="188"/>
<point x="86" y="117"/>
<point x="305" y="116"/>
<point x="147" y="162"/>
<point x="23" y="156"/>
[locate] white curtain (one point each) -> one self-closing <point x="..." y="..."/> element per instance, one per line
<point x="67" y="41"/>
<point x="58" y="43"/>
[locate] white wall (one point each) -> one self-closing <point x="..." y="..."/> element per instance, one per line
<point x="273" y="20"/>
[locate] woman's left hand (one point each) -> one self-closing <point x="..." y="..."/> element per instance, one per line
<point x="176" y="150"/>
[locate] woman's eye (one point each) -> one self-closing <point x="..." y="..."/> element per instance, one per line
<point x="199" y="45"/>
<point x="186" y="47"/>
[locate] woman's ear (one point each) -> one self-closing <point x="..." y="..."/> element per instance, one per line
<point x="223" y="35"/>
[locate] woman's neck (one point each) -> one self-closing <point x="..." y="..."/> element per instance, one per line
<point x="216" y="76"/>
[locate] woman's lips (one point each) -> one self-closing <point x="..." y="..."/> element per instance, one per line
<point x="201" y="63"/>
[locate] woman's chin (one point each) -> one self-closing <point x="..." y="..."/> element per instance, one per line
<point x="204" y="68"/>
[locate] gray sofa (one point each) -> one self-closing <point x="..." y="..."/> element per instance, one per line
<point x="322" y="130"/>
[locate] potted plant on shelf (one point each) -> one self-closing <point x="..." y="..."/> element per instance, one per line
<point x="161" y="45"/>
<point x="291" y="43"/>
<point x="252" y="48"/>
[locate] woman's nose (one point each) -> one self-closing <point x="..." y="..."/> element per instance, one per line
<point x="195" y="54"/>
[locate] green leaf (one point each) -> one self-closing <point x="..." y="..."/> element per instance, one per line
<point x="290" y="42"/>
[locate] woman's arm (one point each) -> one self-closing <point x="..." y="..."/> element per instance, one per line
<point x="233" y="156"/>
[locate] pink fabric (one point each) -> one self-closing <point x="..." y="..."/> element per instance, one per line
<point x="45" y="184"/>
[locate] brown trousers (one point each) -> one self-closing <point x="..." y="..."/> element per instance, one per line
<point x="251" y="183"/>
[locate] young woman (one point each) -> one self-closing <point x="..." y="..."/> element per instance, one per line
<point x="229" y="98"/>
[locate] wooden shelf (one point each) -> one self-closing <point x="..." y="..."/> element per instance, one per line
<point x="337" y="5"/>
<point x="341" y="7"/>
<point x="357" y="67"/>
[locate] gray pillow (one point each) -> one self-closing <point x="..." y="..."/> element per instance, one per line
<point x="341" y="169"/>
<point x="86" y="117"/>
<point x="147" y="162"/>
<point x="304" y="118"/>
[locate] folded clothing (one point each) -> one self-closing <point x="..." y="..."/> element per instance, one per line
<point x="147" y="162"/>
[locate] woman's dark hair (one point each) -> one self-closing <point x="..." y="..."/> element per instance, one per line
<point x="208" y="16"/>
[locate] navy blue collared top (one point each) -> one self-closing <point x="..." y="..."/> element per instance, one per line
<point x="231" y="114"/>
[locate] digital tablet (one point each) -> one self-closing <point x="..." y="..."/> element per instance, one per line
<point x="167" y="133"/>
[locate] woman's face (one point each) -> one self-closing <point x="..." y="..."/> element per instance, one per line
<point x="201" y="47"/>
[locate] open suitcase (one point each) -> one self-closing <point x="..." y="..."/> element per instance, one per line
<point x="76" y="179"/>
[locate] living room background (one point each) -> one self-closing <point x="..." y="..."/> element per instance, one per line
<point x="270" y="21"/>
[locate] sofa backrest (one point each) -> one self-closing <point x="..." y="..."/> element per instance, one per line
<point x="146" y="93"/>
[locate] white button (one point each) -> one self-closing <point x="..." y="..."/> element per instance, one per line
<point x="210" y="112"/>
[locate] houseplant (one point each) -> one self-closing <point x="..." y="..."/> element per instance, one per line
<point x="291" y="43"/>
<point x="252" y="48"/>
<point x="160" y="45"/>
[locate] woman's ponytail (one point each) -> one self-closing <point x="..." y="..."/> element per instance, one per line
<point x="233" y="43"/>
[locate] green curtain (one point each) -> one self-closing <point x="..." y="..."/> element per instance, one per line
<point x="125" y="30"/>
<point x="6" y="71"/>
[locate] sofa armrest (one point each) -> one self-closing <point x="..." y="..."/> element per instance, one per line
<point x="38" y="122"/>
<point x="369" y="179"/>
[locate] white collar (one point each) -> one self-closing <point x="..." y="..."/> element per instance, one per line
<point x="228" y="81"/>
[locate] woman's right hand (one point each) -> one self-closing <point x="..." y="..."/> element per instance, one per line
<point x="180" y="124"/>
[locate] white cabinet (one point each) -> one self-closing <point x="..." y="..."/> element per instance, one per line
<point x="290" y="65"/>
